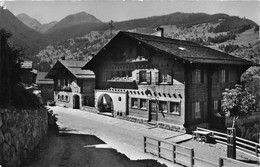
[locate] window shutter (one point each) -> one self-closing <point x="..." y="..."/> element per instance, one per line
<point x="201" y="109"/>
<point x="202" y="76"/>
<point x="156" y="77"/>
<point x="137" y="77"/>
<point x="227" y="76"/>
<point x="219" y="105"/>
<point x="193" y="76"/>
<point x="169" y="77"/>
<point x="148" y="77"/>
<point x="193" y="109"/>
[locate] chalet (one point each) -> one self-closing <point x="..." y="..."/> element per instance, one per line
<point x="46" y="87"/>
<point x="174" y="83"/>
<point x="28" y="74"/>
<point x="73" y="87"/>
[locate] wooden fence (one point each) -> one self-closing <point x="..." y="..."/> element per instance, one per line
<point x="225" y="162"/>
<point x="247" y="146"/>
<point x="174" y="152"/>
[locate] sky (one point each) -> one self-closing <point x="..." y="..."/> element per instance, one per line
<point x="46" y="11"/>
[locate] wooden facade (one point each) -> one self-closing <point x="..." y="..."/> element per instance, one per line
<point x="166" y="80"/>
<point x="46" y="87"/>
<point x="73" y="87"/>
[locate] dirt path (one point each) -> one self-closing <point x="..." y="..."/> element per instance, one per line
<point x="65" y="148"/>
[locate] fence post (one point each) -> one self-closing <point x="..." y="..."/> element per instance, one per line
<point x="159" y="149"/>
<point x="191" y="157"/>
<point x="256" y="150"/>
<point x="231" y="143"/>
<point x="221" y="162"/>
<point x="174" y="154"/>
<point x="144" y="144"/>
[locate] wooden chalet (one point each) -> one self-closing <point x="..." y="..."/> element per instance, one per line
<point x="174" y="83"/>
<point x="73" y="87"/>
<point x="46" y="87"/>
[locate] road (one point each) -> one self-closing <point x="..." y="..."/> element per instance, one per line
<point x="90" y="139"/>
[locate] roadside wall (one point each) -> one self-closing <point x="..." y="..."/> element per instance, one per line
<point x="20" y="132"/>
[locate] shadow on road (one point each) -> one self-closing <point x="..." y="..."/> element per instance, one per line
<point x="67" y="148"/>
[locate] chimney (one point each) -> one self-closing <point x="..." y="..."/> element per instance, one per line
<point x="162" y="31"/>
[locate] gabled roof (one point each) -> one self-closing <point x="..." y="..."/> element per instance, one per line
<point x="40" y="78"/>
<point x="74" y="67"/>
<point x="184" y="50"/>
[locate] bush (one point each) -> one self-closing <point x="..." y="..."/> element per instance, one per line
<point x="24" y="99"/>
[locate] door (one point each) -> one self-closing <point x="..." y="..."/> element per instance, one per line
<point x="76" y="102"/>
<point x="153" y="111"/>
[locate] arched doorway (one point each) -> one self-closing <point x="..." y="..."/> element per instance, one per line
<point x="76" y="102"/>
<point x="105" y="103"/>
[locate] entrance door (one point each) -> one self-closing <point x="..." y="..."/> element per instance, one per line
<point x="76" y="102"/>
<point x="153" y="111"/>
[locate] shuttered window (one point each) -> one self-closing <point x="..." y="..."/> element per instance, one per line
<point x="197" y="76"/>
<point x="134" y="103"/>
<point x="142" y="76"/>
<point x="163" y="106"/>
<point x="175" y="108"/>
<point x="148" y="77"/>
<point x="169" y="77"/>
<point x="137" y="77"/>
<point x="223" y="76"/>
<point x="59" y="84"/>
<point x="197" y="109"/>
<point x="143" y="104"/>
<point x="156" y="77"/>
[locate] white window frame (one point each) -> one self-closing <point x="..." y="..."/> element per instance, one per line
<point x="176" y="108"/>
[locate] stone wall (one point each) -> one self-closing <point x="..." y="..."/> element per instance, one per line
<point x="20" y="132"/>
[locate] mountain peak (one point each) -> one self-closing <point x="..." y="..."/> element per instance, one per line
<point x="79" y="18"/>
<point x="75" y="19"/>
<point x="29" y="21"/>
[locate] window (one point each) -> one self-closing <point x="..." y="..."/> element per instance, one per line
<point x="163" y="106"/>
<point x="163" y="76"/>
<point x="197" y="76"/>
<point x="174" y="108"/>
<point x="224" y="76"/>
<point x="197" y="108"/>
<point x="129" y="73"/>
<point x="59" y="83"/>
<point x="215" y="107"/>
<point x="67" y="98"/>
<point x="62" y="97"/>
<point x="66" y="82"/>
<point x="142" y="76"/>
<point x="134" y="103"/>
<point x="143" y="103"/>
<point x="58" y="97"/>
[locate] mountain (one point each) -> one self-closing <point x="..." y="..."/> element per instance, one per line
<point x="35" y="24"/>
<point x="23" y="37"/>
<point x="226" y="33"/>
<point x="73" y="20"/>
<point x="29" y="21"/>
<point x="45" y="27"/>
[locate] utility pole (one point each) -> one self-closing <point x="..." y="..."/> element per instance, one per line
<point x="111" y="28"/>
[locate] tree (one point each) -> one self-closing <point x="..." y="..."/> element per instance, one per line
<point x="9" y="67"/>
<point x="11" y="92"/>
<point x="238" y="103"/>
